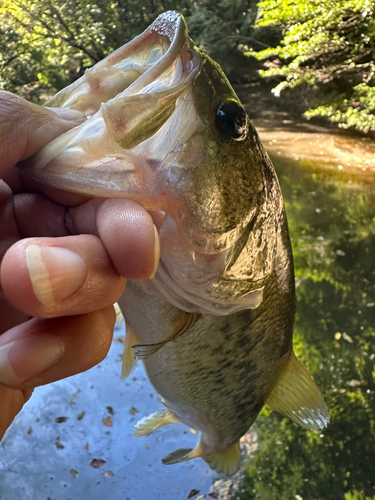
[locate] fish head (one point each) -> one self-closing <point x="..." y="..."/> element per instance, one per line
<point x="165" y="128"/>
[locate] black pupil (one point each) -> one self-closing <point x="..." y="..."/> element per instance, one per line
<point x="231" y="121"/>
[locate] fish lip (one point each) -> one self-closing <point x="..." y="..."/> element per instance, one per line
<point x="172" y="25"/>
<point x="171" y="28"/>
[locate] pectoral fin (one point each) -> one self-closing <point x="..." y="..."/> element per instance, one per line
<point x="143" y="351"/>
<point x="149" y="424"/>
<point x="227" y="462"/>
<point x="297" y="397"/>
<point x="129" y="359"/>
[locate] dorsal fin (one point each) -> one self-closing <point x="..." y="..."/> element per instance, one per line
<point x="296" y="396"/>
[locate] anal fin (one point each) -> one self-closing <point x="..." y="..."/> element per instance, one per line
<point x="226" y="463"/>
<point x="129" y="359"/>
<point x="149" y="424"/>
<point x="297" y="397"/>
<point x="143" y="351"/>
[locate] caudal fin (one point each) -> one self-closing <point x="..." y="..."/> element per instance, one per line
<point x="297" y="397"/>
<point x="226" y="463"/>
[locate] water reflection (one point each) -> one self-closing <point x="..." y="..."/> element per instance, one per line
<point x="332" y="222"/>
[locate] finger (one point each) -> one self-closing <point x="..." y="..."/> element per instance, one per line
<point x="53" y="277"/>
<point x="78" y="274"/>
<point x="127" y="231"/>
<point x="25" y="128"/>
<point x="20" y="183"/>
<point x="12" y="402"/>
<point x="29" y="214"/>
<point x="36" y="215"/>
<point x="42" y="351"/>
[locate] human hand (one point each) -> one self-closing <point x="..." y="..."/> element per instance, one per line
<point x="64" y="262"/>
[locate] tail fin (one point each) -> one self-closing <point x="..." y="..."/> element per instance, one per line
<point x="226" y="463"/>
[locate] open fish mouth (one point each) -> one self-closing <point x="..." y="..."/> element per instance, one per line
<point x="165" y="128"/>
<point x="127" y="97"/>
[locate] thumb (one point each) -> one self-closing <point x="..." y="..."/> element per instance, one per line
<point x="25" y="128"/>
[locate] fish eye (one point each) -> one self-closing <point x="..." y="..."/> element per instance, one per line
<point x="231" y="120"/>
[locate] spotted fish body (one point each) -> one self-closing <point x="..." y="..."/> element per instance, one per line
<point x="218" y="375"/>
<point x="214" y="326"/>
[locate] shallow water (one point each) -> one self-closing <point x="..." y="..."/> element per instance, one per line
<point x="331" y="215"/>
<point x="73" y="441"/>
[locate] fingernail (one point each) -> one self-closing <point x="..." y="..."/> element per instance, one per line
<point x="69" y="114"/>
<point x="28" y="356"/>
<point x="156" y="252"/>
<point x="158" y="217"/>
<point x="55" y="273"/>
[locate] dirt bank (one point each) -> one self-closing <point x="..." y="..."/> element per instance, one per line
<point x="284" y="131"/>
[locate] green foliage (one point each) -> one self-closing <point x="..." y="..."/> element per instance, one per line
<point x="328" y="45"/>
<point x="46" y="45"/>
<point x="357" y="495"/>
<point x="358" y="111"/>
<point x="225" y="29"/>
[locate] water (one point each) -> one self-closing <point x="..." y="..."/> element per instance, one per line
<point x="73" y="441"/>
<point x="331" y="213"/>
<point x="331" y="217"/>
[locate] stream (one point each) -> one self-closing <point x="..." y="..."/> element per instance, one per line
<point x="331" y="215"/>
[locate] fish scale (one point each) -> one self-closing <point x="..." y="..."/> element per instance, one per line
<point x="214" y="326"/>
<point x="221" y="365"/>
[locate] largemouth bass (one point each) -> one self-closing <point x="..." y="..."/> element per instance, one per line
<point x="214" y="326"/>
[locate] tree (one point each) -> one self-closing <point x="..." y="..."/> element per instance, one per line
<point x="329" y="47"/>
<point x="224" y="29"/>
<point x="46" y="45"/>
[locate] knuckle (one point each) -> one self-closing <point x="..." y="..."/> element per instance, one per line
<point x="12" y="140"/>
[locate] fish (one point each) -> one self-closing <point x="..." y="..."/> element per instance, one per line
<point x="214" y="326"/>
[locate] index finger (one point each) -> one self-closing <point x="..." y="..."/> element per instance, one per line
<point x="25" y="128"/>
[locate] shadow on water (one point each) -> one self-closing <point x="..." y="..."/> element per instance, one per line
<point x="332" y="223"/>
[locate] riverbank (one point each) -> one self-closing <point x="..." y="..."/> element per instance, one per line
<point x="285" y="132"/>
